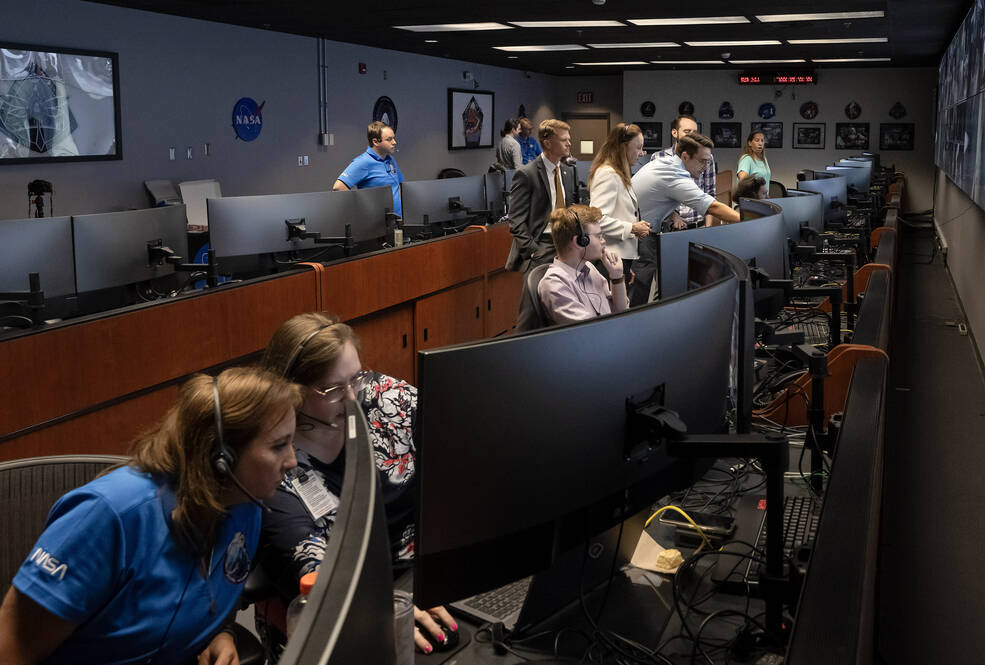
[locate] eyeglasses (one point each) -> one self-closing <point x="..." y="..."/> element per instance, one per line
<point x="336" y="393"/>
<point x="595" y="235"/>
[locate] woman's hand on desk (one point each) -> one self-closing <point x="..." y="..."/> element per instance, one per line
<point x="431" y="622"/>
<point x="221" y="651"/>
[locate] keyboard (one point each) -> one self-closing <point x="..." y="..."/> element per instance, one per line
<point x="800" y="519"/>
<point x="502" y="604"/>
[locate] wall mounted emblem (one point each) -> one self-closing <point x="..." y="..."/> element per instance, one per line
<point x="247" y="118"/>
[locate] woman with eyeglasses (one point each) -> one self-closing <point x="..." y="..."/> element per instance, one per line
<point x="322" y="355"/>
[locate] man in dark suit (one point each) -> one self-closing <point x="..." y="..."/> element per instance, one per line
<point x="538" y="188"/>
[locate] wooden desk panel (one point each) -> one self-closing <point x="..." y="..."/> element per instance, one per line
<point x="450" y="317"/>
<point x="498" y="244"/>
<point x="503" y="291"/>
<point x="387" y="341"/>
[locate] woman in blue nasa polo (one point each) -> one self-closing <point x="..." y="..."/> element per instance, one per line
<point x="146" y="563"/>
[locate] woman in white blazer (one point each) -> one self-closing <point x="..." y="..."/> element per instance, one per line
<point x="611" y="191"/>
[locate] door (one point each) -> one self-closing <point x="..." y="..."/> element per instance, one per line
<point x="588" y="132"/>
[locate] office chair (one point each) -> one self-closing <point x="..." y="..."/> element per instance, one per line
<point x="777" y="190"/>
<point x="29" y="488"/>
<point x="450" y="173"/>
<point x="530" y="284"/>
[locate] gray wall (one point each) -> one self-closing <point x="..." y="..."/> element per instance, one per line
<point x="962" y="225"/>
<point x="180" y="77"/>
<point x="876" y="90"/>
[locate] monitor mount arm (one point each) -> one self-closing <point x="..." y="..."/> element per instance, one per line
<point x="455" y="205"/>
<point x="33" y="298"/>
<point x="298" y="230"/>
<point x="158" y="254"/>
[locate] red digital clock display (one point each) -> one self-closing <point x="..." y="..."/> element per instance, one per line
<point x="777" y="78"/>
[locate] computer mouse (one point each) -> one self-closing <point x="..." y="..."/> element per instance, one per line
<point x="451" y="642"/>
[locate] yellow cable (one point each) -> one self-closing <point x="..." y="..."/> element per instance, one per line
<point x="686" y="516"/>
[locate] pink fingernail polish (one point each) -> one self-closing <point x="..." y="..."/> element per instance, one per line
<point x="443" y="638"/>
<point x="428" y="649"/>
<point x="454" y="626"/>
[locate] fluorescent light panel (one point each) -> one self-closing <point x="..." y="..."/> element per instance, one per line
<point x="454" y="27"/>
<point x="685" y="62"/>
<point x="625" y="63"/>
<point x="823" y="16"/>
<point x="696" y="20"/>
<point x="850" y="59"/>
<point x="637" y="45"/>
<point x="542" y="47"/>
<point x="754" y="42"/>
<point x="764" y="62"/>
<point x="569" y="24"/>
<point x="847" y="40"/>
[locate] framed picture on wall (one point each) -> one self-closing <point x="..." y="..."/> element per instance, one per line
<point x="652" y="134"/>
<point x="470" y="119"/>
<point x="808" y="135"/>
<point x="58" y="105"/>
<point x="726" y="134"/>
<point x="773" y="131"/>
<point x="896" y="136"/>
<point x="851" y="136"/>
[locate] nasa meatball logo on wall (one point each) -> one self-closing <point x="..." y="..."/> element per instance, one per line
<point x="247" y="118"/>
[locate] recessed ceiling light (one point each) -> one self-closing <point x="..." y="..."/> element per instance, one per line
<point x="847" y="40"/>
<point x="765" y="62"/>
<point x="850" y="59"/>
<point x="430" y="41"/>
<point x="569" y="24"/>
<point x="512" y="57"/>
<point x="754" y="42"/>
<point x="624" y="63"/>
<point x="824" y="16"/>
<point x="685" y="62"/>
<point x="454" y="27"/>
<point x="637" y="45"/>
<point x="569" y="66"/>
<point x="543" y="47"/>
<point x="696" y="20"/>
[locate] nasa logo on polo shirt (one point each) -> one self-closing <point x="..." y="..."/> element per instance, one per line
<point x="236" y="565"/>
<point x="247" y="118"/>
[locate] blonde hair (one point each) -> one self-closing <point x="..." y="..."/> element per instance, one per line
<point x="306" y="346"/>
<point x="178" y="449"/>
<point x="550" y="127"/>
<point x="613" y="152"/>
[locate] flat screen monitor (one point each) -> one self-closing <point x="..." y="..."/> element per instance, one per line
<point x="583" y="167"/>
<point x="58" y="104"/>
<point x="430" y="197"/>
<point x="349" y="615"/>
<point x="496" y="191"/>
<point x="111" y="247"/>
<point x="507" y="483"/>
<point x="42" y="245"/>
<point x="800" y="207"/>
<point x="763" y="239"/>
<point x="831" y="186"/>
<point x="248" y="225"/>
<point x="857" y="177"/>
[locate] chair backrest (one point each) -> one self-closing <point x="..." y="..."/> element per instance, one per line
<point x="530" y="284"/>
<point x="777" y="190"/>
<point x="193" y="195"/>
<point x="450" y="173"/>
<point x="28" y="489"/>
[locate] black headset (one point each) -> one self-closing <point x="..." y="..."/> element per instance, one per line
<point x="581" y="238"/>
<point x="223" y="457"/>
<point x="296" y="353"/>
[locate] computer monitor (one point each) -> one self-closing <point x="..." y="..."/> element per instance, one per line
<point x="706" y="265"/>
<point x="431" y="198"/>
<point x="249" y="225"/>
<point x="42" y="245"/>
<point x="832" y="187"/>
<point x="857" y="177"/>
<point x="799" y="208"/>
<point x="763" y="239"/>
<point x="554" y="457"/>
<point x="111" y="249"/>
<point x="349" y="615"/>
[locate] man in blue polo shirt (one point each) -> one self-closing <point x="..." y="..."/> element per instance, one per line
<point x="375" y="167"/>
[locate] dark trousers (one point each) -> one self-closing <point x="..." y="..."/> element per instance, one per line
<point x="646" y="269"/>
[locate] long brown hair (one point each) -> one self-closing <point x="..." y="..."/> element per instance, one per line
<point x="306" y="346"/>
<point x="613" y="152"/>
<point x="746" y="150"/>
<point x="178" y="449"/>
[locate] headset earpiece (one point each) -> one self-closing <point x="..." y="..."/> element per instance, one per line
<point x="581" y="238"/>
<point x="223" y="457"/>
<point x="296" y="353"/>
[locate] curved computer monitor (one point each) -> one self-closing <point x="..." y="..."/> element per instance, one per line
<point x="857" y="176"/>
<point x="799" y="208"/>
<point x="832" y="187"/>
<point x="430" y="197"/>
<point x="349" y="615"/>
<point x="544" y="454"/>
<point x="763" y="240"/>
<point x="42" y="245"/>
<point x="249" y="225"/>
<point x="111" y="247"/>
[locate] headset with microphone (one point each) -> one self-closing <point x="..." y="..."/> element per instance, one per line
<point x="223" y="457"/>
<point x="581" y="238"/>
<point x="292" y="360"/>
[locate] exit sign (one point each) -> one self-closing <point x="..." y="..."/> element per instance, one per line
<point x="586" y="97"/>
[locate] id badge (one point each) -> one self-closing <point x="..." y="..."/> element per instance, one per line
<point x="314" y="496"/>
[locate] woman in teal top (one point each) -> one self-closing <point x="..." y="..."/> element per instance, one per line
<point x="753" y="160"/>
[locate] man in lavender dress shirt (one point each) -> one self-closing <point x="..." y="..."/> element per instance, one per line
<point x="573" y="289"/>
